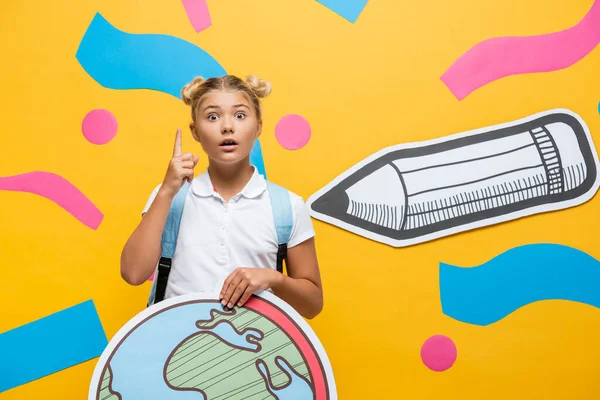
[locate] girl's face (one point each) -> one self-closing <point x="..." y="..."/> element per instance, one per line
<point x="226" y="126"/>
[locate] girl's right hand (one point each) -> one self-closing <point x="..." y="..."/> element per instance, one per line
<point x="181" y="168"/>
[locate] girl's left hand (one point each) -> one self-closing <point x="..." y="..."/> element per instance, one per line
<point x="241" y="283"/>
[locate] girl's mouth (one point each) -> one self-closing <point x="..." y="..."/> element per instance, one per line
<point x="228" y="145"/>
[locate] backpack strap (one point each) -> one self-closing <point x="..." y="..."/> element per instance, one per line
<point x="281" y="207"/>
<point x="169" y="242"/>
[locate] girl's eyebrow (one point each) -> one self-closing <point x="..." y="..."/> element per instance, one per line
<point x="217" y="107"/>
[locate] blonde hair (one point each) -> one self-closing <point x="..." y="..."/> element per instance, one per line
<point x="254" y="88"/>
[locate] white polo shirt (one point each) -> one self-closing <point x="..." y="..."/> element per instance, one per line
<point x="216" y="237"/>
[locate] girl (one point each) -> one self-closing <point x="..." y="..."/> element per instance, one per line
<point x="227" y="241"/>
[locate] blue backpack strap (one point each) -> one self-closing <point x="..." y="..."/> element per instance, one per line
<point x="169" y="243"/>
<point x="171" y="230"/>
<point x="283" y="216"/>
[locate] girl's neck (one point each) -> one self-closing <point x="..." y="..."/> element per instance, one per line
<point x="229" y="180"/>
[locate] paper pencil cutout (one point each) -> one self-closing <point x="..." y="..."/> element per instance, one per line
<point x="416" y="192"/>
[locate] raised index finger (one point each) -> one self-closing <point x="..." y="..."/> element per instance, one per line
<point x="177" y="148"/>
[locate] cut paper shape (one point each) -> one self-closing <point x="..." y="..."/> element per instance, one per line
<point x="197" y="12"/>
<point x="99" y="126"/>
<point x="499" y="57"/>
<point x="438" y="353"/>
<point x="57" y="189"/>
<point x="487" y="293"/>
<point x="51" y="344"/>
<point x="416" y="192"/>
<point x="349" y="9"/>
<point x="121" y="60"/>
<point x="189" y="347"/>
<point x="292" y="132"/>
<point x="256" y="158"/>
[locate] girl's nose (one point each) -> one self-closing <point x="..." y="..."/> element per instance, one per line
<point x="227" y="126"/>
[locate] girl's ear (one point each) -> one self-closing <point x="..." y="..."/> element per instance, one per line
<point x="259" y="129"/>
<point x="194" y="132"/>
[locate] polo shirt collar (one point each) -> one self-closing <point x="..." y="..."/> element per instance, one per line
<point x="202" y="185"/>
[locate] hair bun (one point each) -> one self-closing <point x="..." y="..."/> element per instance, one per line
<point x="259" y="86"/>
<point x="189" y="91"/>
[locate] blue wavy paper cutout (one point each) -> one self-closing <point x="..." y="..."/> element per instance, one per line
<point x="349" y="9"/>
<point x="51" y="344"/>
<point x="485" y="294"/>
<point x="122" y="61"/>
<point x="256" y="158"/>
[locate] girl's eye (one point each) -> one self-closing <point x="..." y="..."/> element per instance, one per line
<point x="212" y="117"/>
<point x="240" y="115"/>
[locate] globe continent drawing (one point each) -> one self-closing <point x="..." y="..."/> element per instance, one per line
<point x="191" y="348"/>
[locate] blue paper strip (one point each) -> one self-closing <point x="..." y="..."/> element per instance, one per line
<point x="256" y="158"/>
<point x="485" y="294"/>
<point x="349" y="9"/>
<point x="121" y="60"/>
<point x="51" y="344"/>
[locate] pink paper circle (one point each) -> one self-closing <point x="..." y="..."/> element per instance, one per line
<point x="99" y="126"/>
<point x="292" y="132"/>
<point x="438" y="353"/>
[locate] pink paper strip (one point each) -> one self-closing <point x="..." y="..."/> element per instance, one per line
<point x="57" y="189"/>
<point x="503" y="56"/>
<point x="197" y="12"/>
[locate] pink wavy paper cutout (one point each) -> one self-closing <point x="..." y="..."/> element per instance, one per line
<point x="57" y="189"/>
<point x="197" y="12"/>
<point x="503" y="56"/>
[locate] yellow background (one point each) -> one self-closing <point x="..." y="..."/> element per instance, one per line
<point x="362" y="87"/>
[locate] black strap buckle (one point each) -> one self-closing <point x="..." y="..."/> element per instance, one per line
<point x="164" y="268"/>
<point x="281" y="254"/>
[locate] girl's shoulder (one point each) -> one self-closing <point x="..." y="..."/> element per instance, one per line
<point x="278" y="189"/>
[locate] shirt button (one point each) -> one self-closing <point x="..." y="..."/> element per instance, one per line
<point x="222" y="243"/>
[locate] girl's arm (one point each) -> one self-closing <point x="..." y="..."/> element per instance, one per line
<point x="301" y="288"/>
<point x="142" y="251"/>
